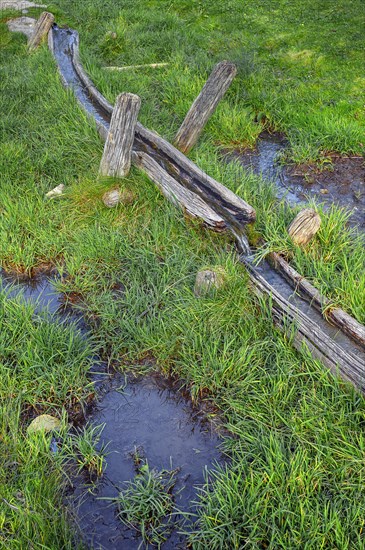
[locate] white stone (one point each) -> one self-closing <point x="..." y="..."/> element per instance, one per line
<point x="56" y="192"/>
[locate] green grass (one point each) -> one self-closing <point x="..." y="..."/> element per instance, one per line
<point x="146" y="504"/>
<point x="296" y="478"/>
<point x="43" y="367"/>
<point x="300" y="65"/>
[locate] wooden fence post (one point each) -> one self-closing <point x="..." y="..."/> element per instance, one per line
<point x="41" y="30"/>
<point x="205" y="105"/>
<point x="116" y="160"/>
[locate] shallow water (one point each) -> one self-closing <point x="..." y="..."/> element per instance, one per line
<point x="148" y="414"/>
<point x="39" y="291"/>
<point x="343" y="185"/>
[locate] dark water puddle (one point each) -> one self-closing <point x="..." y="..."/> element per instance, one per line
<point x="39" y="290"/>
<point x="151" y="415"/>
<point x="342" y="183"/>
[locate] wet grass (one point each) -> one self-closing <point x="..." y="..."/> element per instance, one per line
<point x="296" y="477"/>
<point x="43" y="368"/>
<point x="146" y="504"/>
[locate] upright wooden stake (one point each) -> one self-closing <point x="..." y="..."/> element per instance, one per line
<point x="41" y="30"/>
<point x="116" y="160"/>
<point x="205" y="105"/>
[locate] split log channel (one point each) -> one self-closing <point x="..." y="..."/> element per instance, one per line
<point x="176" y="176"/>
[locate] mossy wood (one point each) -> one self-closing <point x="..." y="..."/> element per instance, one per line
<point x="117" y="155"/>
<point x="205" y="105"/>
<point x="41" y="30"/>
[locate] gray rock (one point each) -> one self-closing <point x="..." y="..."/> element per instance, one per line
<point x="23" y="24"/>
<point x="208" y="280"/>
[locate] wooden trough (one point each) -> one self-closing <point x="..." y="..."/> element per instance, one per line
<point x="185" y="184"/>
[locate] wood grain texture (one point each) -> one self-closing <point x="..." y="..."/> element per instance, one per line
<point x="304" y="226"/>
<point x="235" y="211"/>
<point x="205" y="105"/>
<point x="335" y="315"/>
<point x="117" y="155"/>
<point x="86" y="80"/>
<point x="177" y="194"/>
<point x="41" y="30"/>
<point x="305" y="332"/>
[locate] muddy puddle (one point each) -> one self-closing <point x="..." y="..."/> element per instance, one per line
<point x="149" y="417"/>
<point x="342" y="183"/>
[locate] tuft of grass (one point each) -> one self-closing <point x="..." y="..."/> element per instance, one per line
<point x="83" y="447"/>
<point x="146" y="504"/>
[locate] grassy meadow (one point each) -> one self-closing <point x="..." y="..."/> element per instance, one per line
<point x="295" y="479"/>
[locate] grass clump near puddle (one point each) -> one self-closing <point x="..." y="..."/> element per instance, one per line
<point x="296" y="476"/>
<point x="147" y="504"/>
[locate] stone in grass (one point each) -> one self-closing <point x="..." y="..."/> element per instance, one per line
<point x="304" y="226"/>
<point x="208" y="280"/>
<point x="45" y="423"/>
<point x="56" y="192"/>
<point x="115" y="196"/>
<point x="25" y="25"/>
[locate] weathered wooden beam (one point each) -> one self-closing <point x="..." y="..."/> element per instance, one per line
<point x="205" y="105"/>
<point x="177" y="194"/>
<point x="222" y="200"/>
<point x="335" y="315"/>
<point x="41" y="30"/>
<point x="117" y="155"/>
<point x="227" y="204"/>
<point x="132" y="67"/>
<point x="341" y="359"/>
<point x="84" y="77"/>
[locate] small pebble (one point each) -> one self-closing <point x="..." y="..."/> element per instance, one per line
<point x="56" y="192"/>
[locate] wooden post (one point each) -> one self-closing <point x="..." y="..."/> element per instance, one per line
<point x="41" y="30"/>
<point x="304" y="226"/>
<point x="205" y="105"/>
<point x="116" y="160"/>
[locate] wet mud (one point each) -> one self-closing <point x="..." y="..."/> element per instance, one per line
<point x="341" y="181"/>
